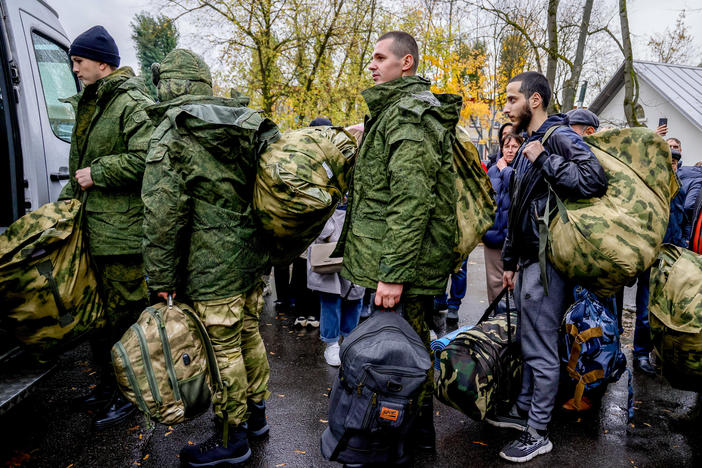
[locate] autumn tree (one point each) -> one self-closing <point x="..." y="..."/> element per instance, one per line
<point x="673" y="45"/>
<point x="154" y="38"/>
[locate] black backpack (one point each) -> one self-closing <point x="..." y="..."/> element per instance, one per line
<point x="375" y="396"/>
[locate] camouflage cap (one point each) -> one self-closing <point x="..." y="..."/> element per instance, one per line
<point x="182" y="64"/>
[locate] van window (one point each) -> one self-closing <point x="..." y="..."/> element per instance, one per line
<point x="57" y="81"/>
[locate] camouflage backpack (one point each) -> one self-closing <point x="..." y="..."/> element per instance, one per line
<point x="475" y="208"/>
<point x="481" y="369"/>
<point x="165" y="363"/>
<point x="603" y="243"/>
<point x="48" y="293"/>
<point x="675" y="305"/>
<point x="300" y="180"/>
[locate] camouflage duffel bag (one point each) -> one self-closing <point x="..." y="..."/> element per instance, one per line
<point x="481" y="369"/>
<point x="604" y="243"/>
<point x="165" y="363"/>
<point x="48" y="293"/>
<point x="475" y="208"/>
<point x="675" y="306"/>
<point x="299" y="181"/>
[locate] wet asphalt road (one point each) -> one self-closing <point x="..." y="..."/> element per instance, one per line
<point x="46" y="431"/>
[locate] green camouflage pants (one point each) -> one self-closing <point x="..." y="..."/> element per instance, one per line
<point x="232" y="324"/>
<point x="124" y="294"/>
<point x="419" y="312"/>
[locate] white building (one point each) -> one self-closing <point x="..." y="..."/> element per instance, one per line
<point x="665" y="91"/>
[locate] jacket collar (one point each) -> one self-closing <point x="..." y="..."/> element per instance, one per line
<point x="380" y="96"/>
<point x="555" y="119"/>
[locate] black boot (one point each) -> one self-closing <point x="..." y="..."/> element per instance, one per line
<point x="119" y="410"/>
<point x="213" y="451"/>
<point x="257" y="425"/>
<point x="98" y="398"/>
<point x="423" y="432"/>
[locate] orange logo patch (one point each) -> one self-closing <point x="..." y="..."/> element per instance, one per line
<point x="389" y="414"/>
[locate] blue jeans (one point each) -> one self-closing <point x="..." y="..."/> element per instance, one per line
<point x="458" y="290"/>
<point x="338" y="316"/>
<point x="642" y="331"/>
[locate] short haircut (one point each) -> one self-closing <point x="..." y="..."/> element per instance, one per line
<point x="534" y="82"/>
<point x="675" y="140"/>
<point x="698" y="164"/>
<point x="512" y="136"/>
<point x="402" y="44"/>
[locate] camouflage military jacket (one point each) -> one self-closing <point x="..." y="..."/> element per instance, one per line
<point x="200" y="235"/>
<point x="111" y="136"/>
<point x="402" y="224"/>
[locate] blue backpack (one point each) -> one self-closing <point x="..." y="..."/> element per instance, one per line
<point x="593" y="355"/>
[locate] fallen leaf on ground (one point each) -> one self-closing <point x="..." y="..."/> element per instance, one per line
<point x="323" y="421"/>
<point x="479" y="443"/>
<point x="279" y="465"/>
<point x="271" y="353"/>
<point x="141" y="436"/>
<point x="647" y="425"/>
<point x="300" y="451"/>
<point x="280" y="395"/>
<point x="325" y="394"/>
<point x="190" y="442"/>
<point x="606" y="431"/>
<point x="133" y="428"/>
<point x="92" y="386"/>
<point x="167" y="433"/>
<point x="70" y="466"/>
<point x="146" y="457"/>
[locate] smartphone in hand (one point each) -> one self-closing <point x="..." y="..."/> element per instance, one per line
<point x="662" y="121"/>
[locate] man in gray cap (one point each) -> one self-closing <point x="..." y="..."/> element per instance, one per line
<point x="583" y="121"/>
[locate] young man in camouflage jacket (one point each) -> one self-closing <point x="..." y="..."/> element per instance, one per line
<point x="401" y="227"/>
<point x="108" y="148"/>
<point x="202" y="241"/>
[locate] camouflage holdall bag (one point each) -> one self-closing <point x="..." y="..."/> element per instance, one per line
<point x="300" y="180"/>
<point x="48" y="289"/>
<point x="481" y="369"/>
<point x="165" y="364"/>
<point x="603" y="243"/>
<point x="475" y="208"/>
<point x="675" y="306"/>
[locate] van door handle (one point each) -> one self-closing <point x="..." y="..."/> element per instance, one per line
<point x="56" y="176"/>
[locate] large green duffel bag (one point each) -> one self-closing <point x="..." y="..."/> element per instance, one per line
<point x="675" y="315"/>
<point x="165" y="364"/>
<point x="603" y="243"/>
<point x="300" y="180"/>
<point x="475" y="208"/>
<point x="48" y="289"/>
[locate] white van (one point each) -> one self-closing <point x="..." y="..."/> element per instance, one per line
<point x="35" y="139"/>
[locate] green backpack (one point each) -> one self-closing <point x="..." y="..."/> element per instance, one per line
<point x="165" y="364"/>
<point x="603" y="243"/>
<point x="675" y="306"/>
<point x="475" y="208"/>
<point x="300" y="180"/>
<point x="48" y="292"/>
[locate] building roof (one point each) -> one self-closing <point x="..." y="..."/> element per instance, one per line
<point x="680" y="85"/>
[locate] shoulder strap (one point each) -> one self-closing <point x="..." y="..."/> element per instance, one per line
<point x="549" y="132"/>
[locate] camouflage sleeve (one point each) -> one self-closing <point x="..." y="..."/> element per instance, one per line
<point x="68" y="191"/>
<point x="412" y="172"/>
<point x="571" y="168"/>
<point x="126" y="169"/>
<point x="166" y="211"/>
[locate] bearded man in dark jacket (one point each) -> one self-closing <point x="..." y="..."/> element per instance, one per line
<point x="560" y="161"/>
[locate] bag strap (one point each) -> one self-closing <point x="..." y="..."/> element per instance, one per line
<point x="211" y="359"/>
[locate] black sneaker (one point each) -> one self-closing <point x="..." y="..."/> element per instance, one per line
<point x="212" y="452"/>
<point x="529" y="445"/>
<point x="257" y="425"/>
<point x="515" y="419"/>
<point x="643" y="363"/>
<point x="452" y="315"/>
<point x="119" y="409"/>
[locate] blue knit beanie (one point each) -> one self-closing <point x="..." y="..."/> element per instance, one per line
<point x="96" y="44"/>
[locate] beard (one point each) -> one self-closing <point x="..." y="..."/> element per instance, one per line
<point x="523" y="120"/>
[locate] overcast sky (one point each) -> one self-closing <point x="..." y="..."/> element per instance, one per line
<point x="645" y="17"/>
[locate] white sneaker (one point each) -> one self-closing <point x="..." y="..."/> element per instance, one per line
<point x="300" y="322"/>
<point x="312" y="322"/>
<point x="331" y="354"/>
